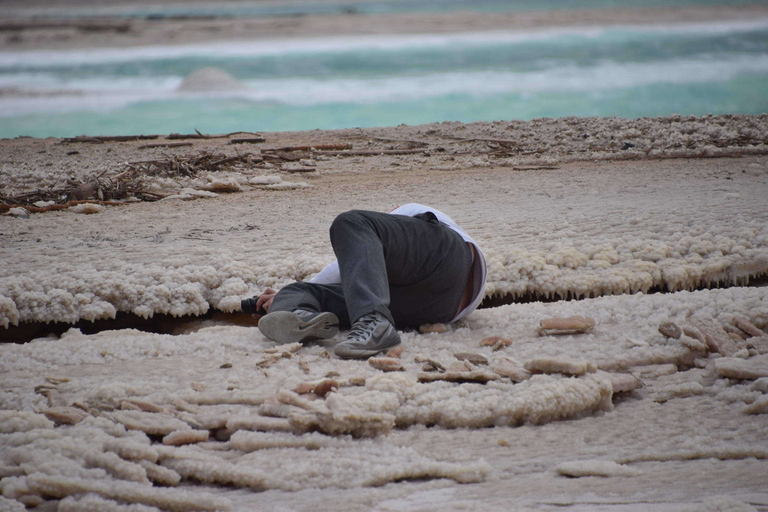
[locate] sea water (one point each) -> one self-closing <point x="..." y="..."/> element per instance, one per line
<point x="363" y="81"/>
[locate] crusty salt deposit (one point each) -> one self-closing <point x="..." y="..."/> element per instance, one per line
<point x="83" y="416"/>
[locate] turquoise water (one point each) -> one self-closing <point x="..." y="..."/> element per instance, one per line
<point x="380" y="81"/>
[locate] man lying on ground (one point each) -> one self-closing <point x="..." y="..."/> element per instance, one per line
<point x="409" y="267"/>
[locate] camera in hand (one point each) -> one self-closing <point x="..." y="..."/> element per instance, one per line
<point x="249" y="306"/>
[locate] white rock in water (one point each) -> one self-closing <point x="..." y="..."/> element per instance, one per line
<point x="211" y="80"/>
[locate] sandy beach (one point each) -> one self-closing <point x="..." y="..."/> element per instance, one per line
<point x="129" y="380"/>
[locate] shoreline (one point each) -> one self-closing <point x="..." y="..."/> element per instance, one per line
<point x="23" y="34"/>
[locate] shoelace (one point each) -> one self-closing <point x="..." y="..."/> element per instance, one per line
<point x="364" y="324"/>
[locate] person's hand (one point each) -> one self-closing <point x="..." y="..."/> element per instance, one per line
<point x="265" y="300"/>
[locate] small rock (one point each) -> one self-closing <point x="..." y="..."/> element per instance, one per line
<point x="503" y="442"/>
<point x="326" y="386"/>
<point x="670" y="330"/>
<point x="226" y="365"/>
<point x="471" y="357"/>
<point x="493" y="341"/>
<point x="386" y="364"/>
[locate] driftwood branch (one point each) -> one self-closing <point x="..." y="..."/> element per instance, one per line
<point x="108" y="138"/>
<point x="317" y="147"/>
<point x="165" y="145"/>
<point x="198" y="135"/>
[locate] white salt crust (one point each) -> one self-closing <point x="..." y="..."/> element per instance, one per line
<point x="666" y="240"/>
<point x="111" y="457"/>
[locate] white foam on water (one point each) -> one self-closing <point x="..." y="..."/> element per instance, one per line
<point x="65" y="58"/>
<point x="106" y="93"/>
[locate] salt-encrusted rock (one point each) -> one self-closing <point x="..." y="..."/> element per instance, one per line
<point x="129" y="449"/>
<point x="432" y="328"/>
<point x="252" y="441"/>
<point x="429" y="363"/>
<point x="130" y="492"/>
<point x="747" y="326"/>
<point x="735" y="331"/>
<point x="758" y="343"/>
<point x="260" y="423"/>
<point x="386" y="364"/>
<point x="472" y="357"/>
<point x="226" y="397"/>
<point x="622" y="382"/>
<point x="605" y="468"/>
<point x="147" y="422"/>
<point x="95" y="503"/>
<point x="742" y="369"/>
<point x="670" y="330"/>
<point x="476" y="375"/>
<point x="493" y="341"/>
<point x="22" y="421"/>
<point x="344" y="416"/>
<point x="182" y="437"/>
<point x="289" y="397"/>
<point x="326" y="386"/>
<point x="278" y="410"/>
<point x="9" y="505"/>
<point x="144" y="405"/>
<point x="760" y="385"/>
<point x="511" y="369"/>
<point x="571" y="325"/>
<point x="559" y="365"/>
<point x="684" y="390"/>
<point x="692" y="343"/>
<point x="759" y="406"/>
<point x="65" y="415"/>
<point x="716" y="338"/>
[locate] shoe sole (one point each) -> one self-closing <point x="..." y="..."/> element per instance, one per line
<point x="351" y="352"/>
<point x="286" y="327"/>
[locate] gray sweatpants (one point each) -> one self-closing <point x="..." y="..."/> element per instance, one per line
<point x="412" y="270"/>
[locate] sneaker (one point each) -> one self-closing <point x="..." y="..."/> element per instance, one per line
<point x="298" y="326"/>
<point x="371" y="334"/>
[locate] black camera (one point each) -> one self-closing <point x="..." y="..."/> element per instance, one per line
<point x="249" y="306"/>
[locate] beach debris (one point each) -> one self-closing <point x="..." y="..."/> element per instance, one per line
<point x="309" y="147"/>
<point x="495" y="342"/>
<point x="572" y="325"/>
<point x="670" y="330"/>
<point x="249" y="140"/>
<point x="166" y="145"/>
<point x="386" y="364"/>
<point x="429" y="365"/>
<point x="100" y="139"/>
<point x="510" y="369"/>
<point x="432" y="328"/>
<point x="563" y="365"/>
<point x="472" y="357"/>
